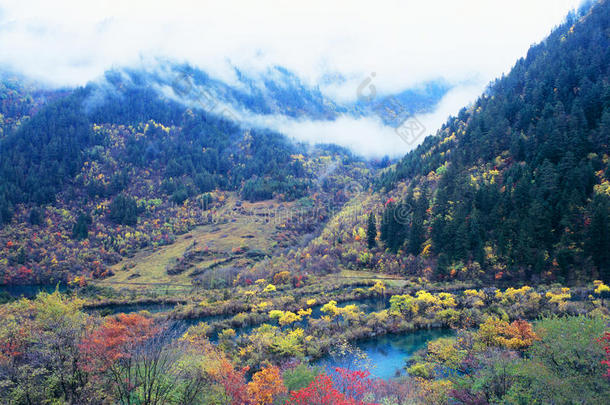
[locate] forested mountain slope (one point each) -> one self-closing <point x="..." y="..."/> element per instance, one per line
<point x="517" y="184"/>
<point x="513" y="189"/>
<point x="100" y="172"/>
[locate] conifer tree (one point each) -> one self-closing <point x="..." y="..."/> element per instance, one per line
<point x="371" y="231"/>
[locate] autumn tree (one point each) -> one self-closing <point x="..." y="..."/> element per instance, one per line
<point x="39" y="353"/>
<point x="265" y="386"/>
<point x="354" y="384"/>
<point x="232" y="380"/>
<point x="132" y="356"/>
<point x="516" y="335"/>
<point x="284" y="317"/>
<point x="378" y="288"/>
<point x="214" y="373"/>
<point x="320" y="392"/>
<point x="347" y="388"/>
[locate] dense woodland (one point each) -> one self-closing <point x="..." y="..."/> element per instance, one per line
<point x="522" y="174"/>
<point x="47" y="151"/>
<point x="97" y="158"/>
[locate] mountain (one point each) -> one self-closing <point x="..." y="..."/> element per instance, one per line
<point x="53" y="142"/>
<point x="516" y="186"/>
<point x="276" y="91"/>
<point x="513" y="188"/>
<point x="159" y="245"/>
<point x="273" y="92"/>
<point x="137" y="143"/>
<point x="20" y="98"/>
<point x="93" y="174"/>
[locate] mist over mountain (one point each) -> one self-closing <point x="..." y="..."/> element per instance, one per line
<point x="420" y="49"/>
<point x="278" y="100"/>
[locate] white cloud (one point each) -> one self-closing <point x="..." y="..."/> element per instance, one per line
<point x="403" y="42"/>
<point x="366" y="136"/>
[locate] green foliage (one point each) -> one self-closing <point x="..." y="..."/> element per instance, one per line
<point x="300" y="376"/>
<point x="393" y="229"/>
<point x="39" y="356"/>
<point x="289" y="345"/>
<point x="562" y="367"/>
<point x="597" y="243"/>
<point x="81" y="227"/>
<point x="423" y="370"/>
<point x="521" y="178"/>
<point x="35" y="216"/>
<point x="123" y="210"/>
<point x="371" y="231"/>
<point x="565" y="365"/>
<point x="289" y="188"/>
<point x="44" y="153"/>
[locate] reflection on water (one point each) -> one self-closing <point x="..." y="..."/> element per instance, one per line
<point x="112" y="309"/>
<point x="30" y="290"/>
<point x="387" y="354"/>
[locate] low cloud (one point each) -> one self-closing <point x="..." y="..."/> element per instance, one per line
<point x="366" y="136"/>
<point x="404" y="42"/>
<point x="333" y="45"/>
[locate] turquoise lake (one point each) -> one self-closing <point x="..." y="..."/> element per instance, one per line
<point x="387" y="354"/>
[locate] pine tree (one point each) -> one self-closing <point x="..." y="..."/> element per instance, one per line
<point x="35" y="216"/>
<point x="393" y="230"/>
<point x="598" y="236"/>
<point x="417" y="234"/>
<point x="371" y="231"/>
<point x="81" y="227"/>
<point x="124" y="210"/>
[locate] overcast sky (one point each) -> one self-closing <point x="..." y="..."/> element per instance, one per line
<point x="466" y="42"/>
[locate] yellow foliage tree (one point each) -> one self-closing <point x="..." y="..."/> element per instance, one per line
<point x="266" y="385"/>
<point x="378" y="288"/>
<point x="269" y="288"/>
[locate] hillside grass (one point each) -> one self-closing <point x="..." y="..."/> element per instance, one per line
<point x="248" y="227"/>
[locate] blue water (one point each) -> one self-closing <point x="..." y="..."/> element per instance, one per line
<point x="385" y="355"/>
<point x="128" y="308"/>
<point x="30" y="290"/>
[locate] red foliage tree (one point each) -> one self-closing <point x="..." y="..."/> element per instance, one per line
<point x="606" y="341"/>
<point x="353" y="383"/>
<point x="14" y="344"/>
<point x="319" y="392"/>
<point x="114" y="340"/>
<point x="233" y="381"/>
<point x="349" y="390"/>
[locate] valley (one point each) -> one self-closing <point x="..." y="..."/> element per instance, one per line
<point x="158" y="250"/>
